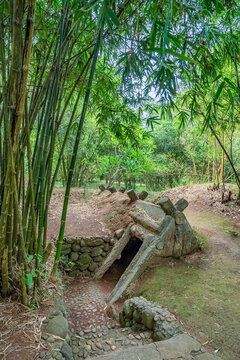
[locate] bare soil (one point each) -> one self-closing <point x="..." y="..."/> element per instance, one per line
<point x="102" y="214"/>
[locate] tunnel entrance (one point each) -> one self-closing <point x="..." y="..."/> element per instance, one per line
<point x="119" y="266"/>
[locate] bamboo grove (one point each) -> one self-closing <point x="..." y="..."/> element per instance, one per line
<point x="53" y="56"/>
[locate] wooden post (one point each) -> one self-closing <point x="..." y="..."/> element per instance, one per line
<point x="143" y="195"/>
<point x="122" y="189"/>
<point x="102" y="187"/>
<point x="112" y="189"/>
<point x="181" y="204"/>
<point x="132" y="195"/>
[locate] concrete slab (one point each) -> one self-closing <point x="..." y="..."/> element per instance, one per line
<point x="154" y="211"/>
<point x="181" y="346"/>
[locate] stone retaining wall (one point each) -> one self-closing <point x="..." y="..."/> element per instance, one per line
<point x="84" y="254"/>
<point x="143" y="314"/>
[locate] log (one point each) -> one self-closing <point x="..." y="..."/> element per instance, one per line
<point x="167" y="206"/>
<point x="147" y="224"/>
<point x="112" y="189"/>
<point x="102" y="187"/>
<point x="143" y="195"/>
<point x="181" y="204"/>
<point x="132" y="195"/>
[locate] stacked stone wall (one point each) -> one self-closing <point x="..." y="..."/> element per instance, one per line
<point x="84" y="254"/>
<point x="142" y="314"/>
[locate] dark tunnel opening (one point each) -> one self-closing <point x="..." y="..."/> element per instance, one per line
<point x="119" y="266"/>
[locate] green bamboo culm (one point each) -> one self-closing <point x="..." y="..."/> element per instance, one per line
<point x="75" y="149"/>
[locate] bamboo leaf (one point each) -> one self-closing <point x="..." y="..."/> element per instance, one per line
<point x="30" y="258"/>
<point x="112" y="16"/>
<point x="180" y="56"/>
<point x="219" y="90"/>
<point x="28" y="279"/>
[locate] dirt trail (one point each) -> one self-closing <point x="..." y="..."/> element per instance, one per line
<point x="217" y="230"/>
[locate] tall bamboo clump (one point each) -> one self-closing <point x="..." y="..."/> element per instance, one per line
<point x="42" y="77"/>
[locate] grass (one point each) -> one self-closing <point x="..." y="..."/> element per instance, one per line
<point x="205" y="298"/>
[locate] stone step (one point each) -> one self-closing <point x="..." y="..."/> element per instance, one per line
<point x="181" y="346"/>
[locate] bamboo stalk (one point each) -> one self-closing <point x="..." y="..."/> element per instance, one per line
<point x="5" y="272"/>
<point x="76" y="144"/>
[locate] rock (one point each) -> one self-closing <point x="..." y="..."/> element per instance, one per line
<point x="97" y="251"/>
<point x="76" y="247"/>
<point x="88" y="347"/>
<point x="106" y="248"/>
<point x="137" y="316"/>
<point x="98" y="258"/>
<point x="128" y="310"/>
<point x="84" y="259"/>
<point x="69" y="241"/>
<point x="66" y="252"/>
<point x="92" y="267"/>
<point x="82" y="242"/>
<point x="95" y="242"/>
<point x="74" y="256"/>
<point x="119" y="233"/>
<point x="83" y="267"/>
<point x="111" y="242"/>
<point x="148" y="319"/>
<point x="86" y="249"/>
<point x="66" y="246"/>
<point x="74" y="273"/>
<point x="67" y="352"/>
<point x="106" y="347"/>
<point x="58" y="326"/>
<point x="42" y="354"/>
<point x="51" y="339"/>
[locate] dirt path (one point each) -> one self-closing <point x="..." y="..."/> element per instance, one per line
<point x="222" y="233"/>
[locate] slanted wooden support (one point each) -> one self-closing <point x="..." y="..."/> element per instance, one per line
<point x="181" y="204"/>
<point x="147" y="224"/>
<point x="132" y="195"/>
<point x="143" y="195"/>
<point x="170" y="209"/>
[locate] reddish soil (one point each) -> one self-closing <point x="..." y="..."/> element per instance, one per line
<point x="202" y="198"/>
<point x="102" y="215"/>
